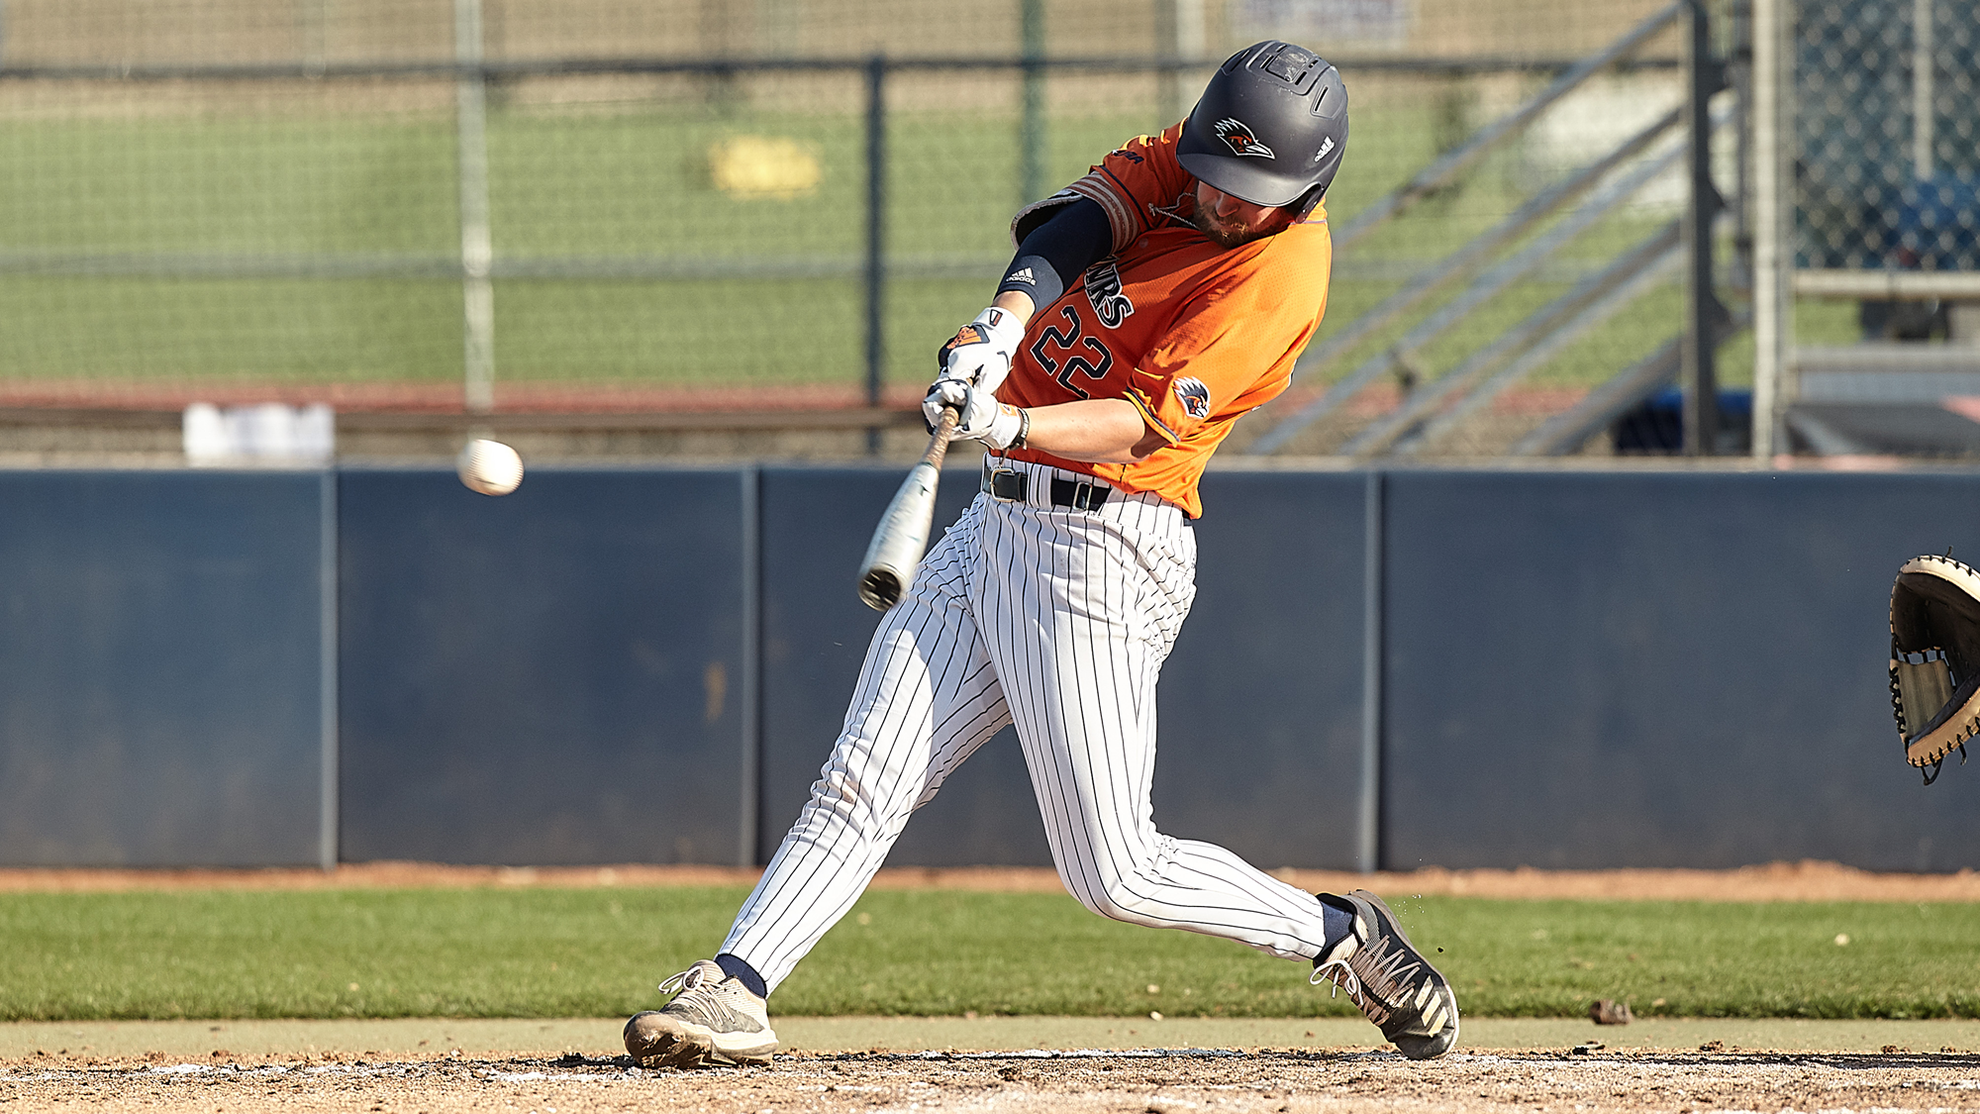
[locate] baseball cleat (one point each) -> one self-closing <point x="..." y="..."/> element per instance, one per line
<point x="713" y="1019"/>
<point x="1389" y="979"/>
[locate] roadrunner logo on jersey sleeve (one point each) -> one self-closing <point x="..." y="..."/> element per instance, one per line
<point x="1103" y="290"/>
<point x="1194" y="396"/>
<point x="1237" y="136"/>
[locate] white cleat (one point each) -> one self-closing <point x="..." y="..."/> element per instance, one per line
<point x="713" y="1019"/>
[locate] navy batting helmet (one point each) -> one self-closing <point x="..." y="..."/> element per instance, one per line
<point x="1271" y="126"/>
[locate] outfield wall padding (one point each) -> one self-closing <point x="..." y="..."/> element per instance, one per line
<point x="1590" y="670"/>
<point x="161" y="681"/>
<point x="645" y="664"/>
<point x="553" y="676"/>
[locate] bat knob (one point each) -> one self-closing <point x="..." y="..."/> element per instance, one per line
<point x="880" y="589"/>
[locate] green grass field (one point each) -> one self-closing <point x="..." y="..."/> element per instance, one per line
<point x="599" y="952"/>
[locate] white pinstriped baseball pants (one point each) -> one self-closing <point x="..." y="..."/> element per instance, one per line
<point x="1058" y="620"/>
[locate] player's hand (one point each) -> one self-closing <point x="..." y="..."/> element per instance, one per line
<point x="980" y="353"/>
<point x="943" y="394"/>
<point x="983" y="418"/>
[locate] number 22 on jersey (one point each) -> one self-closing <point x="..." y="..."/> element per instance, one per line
<point x="1076" y="352"/>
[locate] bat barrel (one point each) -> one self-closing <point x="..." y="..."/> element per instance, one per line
<point x="901" y="539"/>
<point x="902" y="535"/>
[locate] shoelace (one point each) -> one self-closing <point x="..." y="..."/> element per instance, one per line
<point x="1345" y="978"/>
<point x="1385" y="970"/>
<point x="690" y="979"/>
<point x="698" y="994"/>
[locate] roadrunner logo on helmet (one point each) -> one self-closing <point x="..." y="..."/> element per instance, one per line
<point x="1270" y="128"/>
<point x="1240" y="140"/>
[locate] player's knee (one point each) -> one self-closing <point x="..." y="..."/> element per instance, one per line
<point x="1105" y="906"/>
<point x="1114" y="899"/>
<point x="838" y="795"/>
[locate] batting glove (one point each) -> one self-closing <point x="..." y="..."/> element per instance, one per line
<point x="980" y="353"/>
<point x="996" y="424"/>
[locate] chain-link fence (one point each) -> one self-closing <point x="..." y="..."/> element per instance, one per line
<point x="1889" y="141"/>
<point x="1883" y="241"/>
<point x="576" y="205"/>
<point x="570" y="205"/>
<point x="1888" y="148"/>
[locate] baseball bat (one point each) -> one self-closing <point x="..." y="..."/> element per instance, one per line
<point x="902" y="535"/>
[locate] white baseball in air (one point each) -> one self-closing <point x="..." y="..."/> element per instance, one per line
<point x="490" y="467"/>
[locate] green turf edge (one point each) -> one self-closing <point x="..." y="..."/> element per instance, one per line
<point x="600" y="952"/>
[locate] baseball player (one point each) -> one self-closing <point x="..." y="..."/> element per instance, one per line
<point x="1149" y="305"/>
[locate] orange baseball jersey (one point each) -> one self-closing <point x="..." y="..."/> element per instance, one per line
<point x="1192" y="333"/>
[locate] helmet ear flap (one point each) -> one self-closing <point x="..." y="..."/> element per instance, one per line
<point x="1303" y="206"/>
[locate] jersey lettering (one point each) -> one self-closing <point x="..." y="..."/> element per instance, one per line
<point x="1070" y="345"/>
<point x="1103" y="291"/>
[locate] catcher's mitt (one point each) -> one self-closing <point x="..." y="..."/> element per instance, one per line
<point x="1935" y="659"/>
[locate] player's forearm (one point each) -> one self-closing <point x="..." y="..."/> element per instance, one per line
<point x="1017" y="303"/>
<point x="1095" y="430"/>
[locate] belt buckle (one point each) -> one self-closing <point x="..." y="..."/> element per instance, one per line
<point x="1082" y="497"/>
<point x="1007" y="484"/>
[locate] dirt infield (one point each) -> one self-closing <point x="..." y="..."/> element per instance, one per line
<point x="1153" y="1081"/>
<point x="1803" y="881"/>
<point x="1012" y="1064"/>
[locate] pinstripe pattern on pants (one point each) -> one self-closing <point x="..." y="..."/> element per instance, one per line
<point x="1058" y="620"/>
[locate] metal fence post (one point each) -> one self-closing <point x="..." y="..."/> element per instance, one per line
<point x="750" y="692"/>
<point x="1032" y="141"/>
<point x="876" y="237"/>
<point x="329" y="734"/>
<point x="1368" y="825"/>
<point x="1772" y="259"/>
<point x="1178" y="37"/>
<point x="1702" y="312"/>
<point x="477" y="245"/>
<point x="1924" y="75"/>
<point x="312" y="29"/>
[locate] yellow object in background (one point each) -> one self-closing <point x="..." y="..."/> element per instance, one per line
<point x="746" y="166"/>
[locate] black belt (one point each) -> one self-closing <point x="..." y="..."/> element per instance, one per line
<point x="1013" y="486"/>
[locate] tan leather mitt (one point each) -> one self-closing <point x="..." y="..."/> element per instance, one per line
<point x="1935" y="659"/>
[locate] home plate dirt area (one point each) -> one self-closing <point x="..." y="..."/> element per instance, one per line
<point x="1154" y="1081"/>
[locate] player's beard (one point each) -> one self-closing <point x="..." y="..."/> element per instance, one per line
<point x="1224" y="235"/>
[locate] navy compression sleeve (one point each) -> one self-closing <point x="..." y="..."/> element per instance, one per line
<point x="1054" y="254"/>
